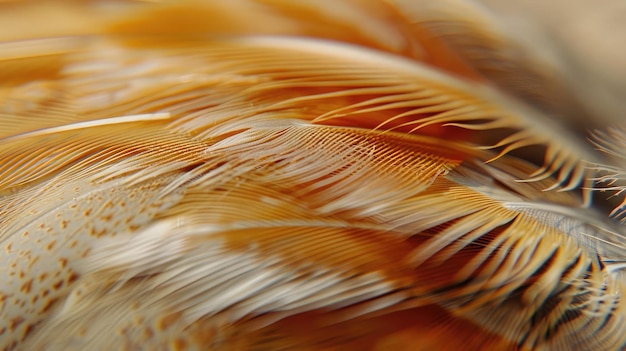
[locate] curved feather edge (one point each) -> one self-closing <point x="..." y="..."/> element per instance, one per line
<point x="612" y="176"/>
<point x="563" y="157"/>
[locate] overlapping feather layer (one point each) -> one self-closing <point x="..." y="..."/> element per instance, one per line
<point x="171" y="183"/>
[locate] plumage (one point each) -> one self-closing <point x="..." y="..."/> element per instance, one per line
<point x="281" y="175"/>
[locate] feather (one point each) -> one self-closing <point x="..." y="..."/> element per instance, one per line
<point x="288" y="175"/>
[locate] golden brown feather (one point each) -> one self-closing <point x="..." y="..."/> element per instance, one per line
<point x="279" y="175"/>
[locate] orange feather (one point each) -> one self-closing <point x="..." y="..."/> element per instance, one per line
<point x="305" y="175"/>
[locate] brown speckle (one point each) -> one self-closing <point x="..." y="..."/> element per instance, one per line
<point x="64" y="224"/>
<point x="27" y="329"/>
<point x="15" y="322"/>
<point x="72" y="278"/>
<point x="87" y="212"/>
<point x="25" y="288"/>
<point x="57" y="285"/>
<point x="51" y="245"/>
<point x="63" y="262"/>
<point x="42" y="277"/>
<point x="97" y="233"/>
<point x="48" y="305"/>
